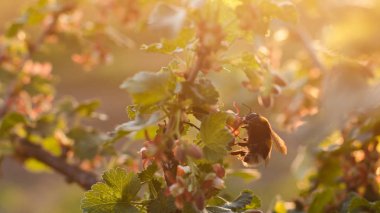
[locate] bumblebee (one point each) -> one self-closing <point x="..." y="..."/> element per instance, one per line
<point x="258" y="145"/>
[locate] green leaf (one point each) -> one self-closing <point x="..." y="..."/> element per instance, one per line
<point x="35" y="15"/>
<point x="9" y="121"/>
<point x="86" y="142"/>
<point x="148" y="88"/>
<point x="173" y="45"/>
<point x="114" y="195"/>
<point x="140" y="122"/>
<point x="321" y="200"/>
<point x="246" y="200"/>
<point x="189" y="208"/>
<point x="131" y="111"/>
<point x="288" y="12"/>
<point x="216" y="201"/>
<point x="34" y="165"/>
<point x="162" y="204"/>
<point x="46" y="125"/>
<point x="15" y="27"/>
<point x="218" y="209"/>
<point x="279" y="207"/>
<point x="215" y="136"/>
<point x="202" y="92"/>
<point x="247" y="175"/>
<point x="356" y="204"/>
<point x="39" y="85"/>
<point x="148" y="174"/>
<point x="167" y="17"/>
<point x="88" y="108"/>
<point x="52" y="145"/>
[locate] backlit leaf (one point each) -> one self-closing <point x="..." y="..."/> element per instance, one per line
<point x="246" y="200"/>
<point x="215" y="136"/>
<point x="114" y="194"/>
<point x="148" y="88"/>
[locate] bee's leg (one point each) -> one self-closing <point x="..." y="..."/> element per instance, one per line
<point x="239" y="152"/>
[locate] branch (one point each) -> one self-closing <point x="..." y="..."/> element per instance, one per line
<point x="194" y="70"/>
<point x="25" y="149"/>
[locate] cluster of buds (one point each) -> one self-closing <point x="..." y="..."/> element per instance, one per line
<point x="151" y="151"/>
<point x="194" y="190"/>
<point x="362" y="173"/>
<point x="126" y="11"/>
<point x="249" y="15"/>
<point x="94" y="56"/>
<point x="184" y="149"/>
<point x="31" y="106"/>
<point x="31" y="69"/>
<point x="211" y="37"/>
<point x="252" y="18"/>
<point x="25" y="102"/>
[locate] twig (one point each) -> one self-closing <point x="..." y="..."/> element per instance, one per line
<point x="193" y="125"/>
<point x="194" y="70"/>
<point x="73" y="173"/>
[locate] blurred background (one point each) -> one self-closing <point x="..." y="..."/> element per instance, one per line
<point x="343" y="26"/>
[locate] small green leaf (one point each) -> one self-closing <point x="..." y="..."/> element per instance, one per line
<point x="171" y="46"/>
<point x="246" y="200"/>
<point x="88" y="108"/>
<point x="140" y="122"/>
<point x="148" y="174"/>
<point x="14" y="28"/>
<point x="218" y="209"/>
<point x="162" y="204"/>
<point x="216" y="201"/>
<point x="131" y="111"/>
<point x="86" y="142"/>
<point x="148" y="88"/>
<point x="39" y="85"/>
<point x="288" y="12"/>
<point x="35" y="15"/>
<point x="356" y="204"/>
<point x="279" y="207"/>
<point x="321" y="200"/>
<point x="52" y="145"/>
<point x="202" y="92"/>
<point x="9" y="121"/>
<point x="34" y="165"/>
<point x="247" y="175"/>
<point x="215" y="136"/>
<point x="167" y="17"/>
<point x="114" y="195"/>
<point x="46" y="125"/>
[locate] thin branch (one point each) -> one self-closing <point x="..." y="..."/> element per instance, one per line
<point x="194" y="70"/>
<point x="193" y="125"/>
<point x="25" y="149"/>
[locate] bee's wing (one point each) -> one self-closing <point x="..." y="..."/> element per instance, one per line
<point x="279" y="143"/>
